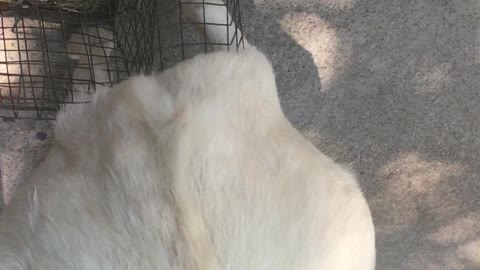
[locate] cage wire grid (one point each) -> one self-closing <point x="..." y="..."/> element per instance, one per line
<point x="50" y="50"/>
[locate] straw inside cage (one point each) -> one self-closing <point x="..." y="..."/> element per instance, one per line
<point x="50" y="50"/>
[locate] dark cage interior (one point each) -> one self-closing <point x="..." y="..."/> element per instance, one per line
<point x="50" y="50"/>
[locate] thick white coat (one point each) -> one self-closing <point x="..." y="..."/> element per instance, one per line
<point x="196" y="168"/>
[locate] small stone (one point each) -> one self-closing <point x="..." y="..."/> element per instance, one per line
<point x="8" y="119"/>
<point x="41" y="135"/>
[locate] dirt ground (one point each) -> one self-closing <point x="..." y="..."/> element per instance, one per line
<point x="390" y="88"/>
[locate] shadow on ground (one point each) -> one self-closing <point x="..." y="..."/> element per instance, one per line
<point x="400" y="106"/>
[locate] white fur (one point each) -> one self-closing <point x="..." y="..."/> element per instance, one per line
<point x="196" y="168"/>
<point x="91" y="46"/>
<point x="219" y="27"/>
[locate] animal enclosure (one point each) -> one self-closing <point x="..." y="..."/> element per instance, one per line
<point x="49" y="50"/>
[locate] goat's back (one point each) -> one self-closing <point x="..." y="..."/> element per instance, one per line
<point x="194" y="168"/>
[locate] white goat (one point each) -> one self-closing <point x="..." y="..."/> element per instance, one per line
<point x="195" y="168"/>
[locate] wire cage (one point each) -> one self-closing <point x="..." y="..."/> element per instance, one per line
<point x="51" y="49"/>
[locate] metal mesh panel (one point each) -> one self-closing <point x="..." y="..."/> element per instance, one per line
<point x="50" y="51"/>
